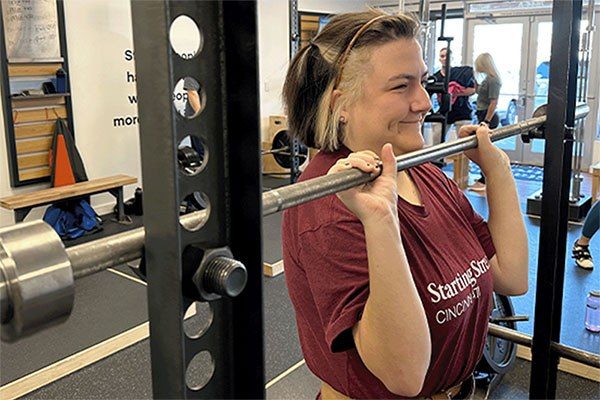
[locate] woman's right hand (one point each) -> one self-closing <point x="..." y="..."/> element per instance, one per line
<point x="375" y="199"/>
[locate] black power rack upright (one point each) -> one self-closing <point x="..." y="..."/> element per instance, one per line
<point x="445" y="105"/>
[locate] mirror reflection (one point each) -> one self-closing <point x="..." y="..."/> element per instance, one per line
<point x="189" y="98"/>
<point x="191" y="155"/>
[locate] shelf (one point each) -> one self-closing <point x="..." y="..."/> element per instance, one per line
<point x="15" y="61"/>
<point x="30" y="69"/>
<point x="43" y="96"/>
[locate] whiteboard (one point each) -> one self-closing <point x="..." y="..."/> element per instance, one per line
<point x="31" y="30"/>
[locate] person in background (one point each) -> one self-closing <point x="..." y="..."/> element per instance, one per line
<point x="461" y="86"/>
<point x="488" y="92"/>
<point x="193" y="104"/>
<point x="581" y="247"/>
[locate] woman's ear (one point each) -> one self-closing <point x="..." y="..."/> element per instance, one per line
<point x="335" y="95"/>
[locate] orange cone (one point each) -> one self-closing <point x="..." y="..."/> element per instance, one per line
<point x="65" y="162"/>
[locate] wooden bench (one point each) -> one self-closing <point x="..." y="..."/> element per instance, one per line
<point x="21" y="204"/>
<point x="460" y="169"/>
<point x="595" y="180"/>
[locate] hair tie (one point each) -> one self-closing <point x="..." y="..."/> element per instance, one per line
<point x="344" y="57"/>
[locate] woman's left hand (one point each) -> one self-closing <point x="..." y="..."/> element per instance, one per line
<point x="486" y="155"/>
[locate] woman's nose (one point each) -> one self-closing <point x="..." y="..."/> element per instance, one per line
<point x="422" y="103"/>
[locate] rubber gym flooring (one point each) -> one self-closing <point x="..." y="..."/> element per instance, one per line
<point x="113" y="303"/>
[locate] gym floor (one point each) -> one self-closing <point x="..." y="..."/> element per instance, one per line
<point x="102" y="351"/>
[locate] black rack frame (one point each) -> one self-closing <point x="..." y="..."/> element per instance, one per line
<point x="229" y="126"/>
<point x="560" y="125"/>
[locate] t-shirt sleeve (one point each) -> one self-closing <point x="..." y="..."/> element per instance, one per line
<point x="479" y="224"/>
<point x="190" y="84"/>
<point x="469" y="78"/>
<point x="336" y="266"/>
<point x="494" y="89"/>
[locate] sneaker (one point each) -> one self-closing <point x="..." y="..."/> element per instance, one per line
<point x="477" y="187"/>
<point x="582" y="256"/>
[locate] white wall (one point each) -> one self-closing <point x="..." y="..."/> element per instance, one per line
<point x="273" y="44"/>
<point x="98" y="32"/>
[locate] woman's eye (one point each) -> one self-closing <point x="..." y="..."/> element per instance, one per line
<point x="400" y="87"/>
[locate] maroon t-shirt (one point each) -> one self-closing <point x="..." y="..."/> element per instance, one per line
<point x="448" y="246"/>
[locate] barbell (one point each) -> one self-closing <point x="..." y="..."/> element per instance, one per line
<point x="37" y="273"/>
<point x="281" y="150"/>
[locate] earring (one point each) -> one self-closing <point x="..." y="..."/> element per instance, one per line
<point x="342" y="120"/>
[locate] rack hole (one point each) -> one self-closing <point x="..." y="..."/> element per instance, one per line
<point x="194" y="211"/>
<point x="198" y="318"/>
<point x="199" y="371"/>
<point x="192" y="155"/>
<point x="185" y="37"/>
<point x="189" y="97"/>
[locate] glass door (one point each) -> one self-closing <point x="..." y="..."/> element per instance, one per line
<point x="537" y="82"/>
<point x="538" y="72"/>
<point x="507" y="40"/>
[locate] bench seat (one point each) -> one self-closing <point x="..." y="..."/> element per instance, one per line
<point x="21" y="204"/>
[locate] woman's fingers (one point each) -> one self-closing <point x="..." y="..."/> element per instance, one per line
<point x="483" y="135"/>
<point x="366" y="155"/>
<point x="467" y="130"/>
<point x="482" y="131"/>
<point x="365" y="164"/>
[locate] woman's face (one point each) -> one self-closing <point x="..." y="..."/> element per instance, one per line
<point x="393" y="103"/>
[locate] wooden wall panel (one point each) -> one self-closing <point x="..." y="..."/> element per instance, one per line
<point x="34" y="130"/>
<point x="39" y="114"/>
<point x="34" y="173"/>
<point x="32" y="160"/>
<point x="35" y="145"/>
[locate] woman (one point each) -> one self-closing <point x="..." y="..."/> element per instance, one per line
<point x="392" y="281"/>
<point x="487" y="100"/>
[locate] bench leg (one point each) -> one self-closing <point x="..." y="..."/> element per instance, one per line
<point x="21" y="213"/>
<point x="118" y="193"/>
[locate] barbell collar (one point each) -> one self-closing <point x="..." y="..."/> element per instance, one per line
<point x="218" y="274"/>
<point x="38" y="289"/>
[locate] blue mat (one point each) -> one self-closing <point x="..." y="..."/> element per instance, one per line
<point x="522" y="172"/>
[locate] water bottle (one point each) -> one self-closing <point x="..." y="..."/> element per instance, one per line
<point x="61" y="81"/>
<point x="592" y="311"/>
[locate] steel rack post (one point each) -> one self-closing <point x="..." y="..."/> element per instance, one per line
<point x="294" y="47"/>
<point x="226" y="68"/>
<point x="566" y="16"/>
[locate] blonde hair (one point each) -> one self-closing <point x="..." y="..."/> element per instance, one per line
<point x="313" y="73"/>
<point x="484" y="63"/>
